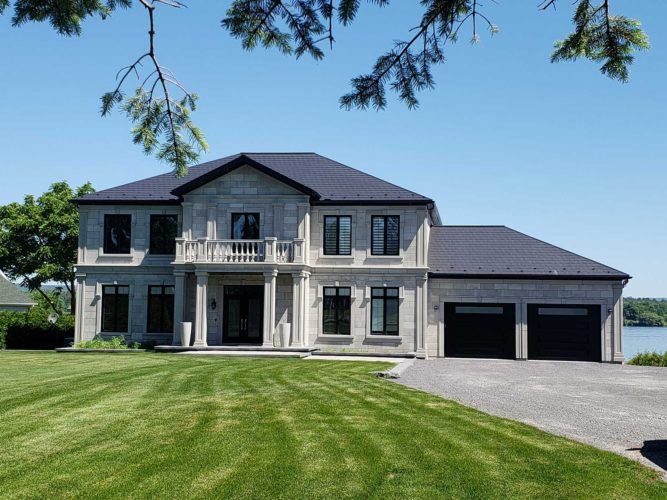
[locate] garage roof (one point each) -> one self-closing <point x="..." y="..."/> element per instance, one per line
<point x="323" y="179"/>
<point x="499" y="251"/>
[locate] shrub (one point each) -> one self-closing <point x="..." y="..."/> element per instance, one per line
<point x="649" y="359"/>
<point x="100" y="343"/>
<point x="31" y="330"/>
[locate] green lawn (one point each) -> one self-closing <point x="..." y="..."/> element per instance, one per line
<point x="161" y="425"/>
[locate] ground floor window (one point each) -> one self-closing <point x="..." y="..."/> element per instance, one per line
<point x="115" y="308"/>
<point x="336" y="315"/>
<point x="384" y="311"/>
<point x="160" y="309"/>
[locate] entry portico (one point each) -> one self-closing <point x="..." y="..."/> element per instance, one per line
<point x="230" y="306"/>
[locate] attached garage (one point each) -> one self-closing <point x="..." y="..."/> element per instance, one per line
<point x="480" y="330"/>
<point x="564" y="332"/>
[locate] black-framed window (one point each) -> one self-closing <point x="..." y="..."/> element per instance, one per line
<point x="337" y="235"/>
<point x="117" y="233"/>
<point x="115" y="308"/>
<point x="163" y="234"/>
<point x="336" y="310"/>
<point x="245" y="226"/>
<point x="160" y="309"/>
<point x="384" y="311"/>
<point x="385" y="234"/>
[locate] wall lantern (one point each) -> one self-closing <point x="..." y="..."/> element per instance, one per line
<point x="214" y="304"/>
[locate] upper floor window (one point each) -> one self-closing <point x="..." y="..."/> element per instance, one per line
<point x="337" y="235"/>
<point x="385" y="235"/>
<point x="245" y="226"/>
<point x="336" y="311"/>
<point x="115" y="308"/>
<point x="117" y="233"/>
<point x="160" y="309"/>
<point x="384" y="311"/>
<point x="163" y="234"/>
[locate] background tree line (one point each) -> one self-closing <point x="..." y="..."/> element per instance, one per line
<point x="644" y="312"/>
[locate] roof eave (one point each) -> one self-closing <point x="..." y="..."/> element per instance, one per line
<point x="373" y="202"/>
<point x="569" y="277"/>
<point x="83" y="201"/>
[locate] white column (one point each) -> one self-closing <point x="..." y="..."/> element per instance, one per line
<point x="269" y="307"/>
<point x="179" y="305"/>
<point x="211" y="213"/>
<point x="421" y="311"/>
<point x="186" y="230"/>
<point x="299" y="308"/>
<point x="306" y="309"/>
<point x="79" y="291"/>
<point x="201" y="308"/>
<point x="617" y="325"/>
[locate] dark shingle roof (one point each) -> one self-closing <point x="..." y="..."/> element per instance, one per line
<point x="324" y="179"/>
<point x="11" y="295"/>
<point x="497" y="251"/>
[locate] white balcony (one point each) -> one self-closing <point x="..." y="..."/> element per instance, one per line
<point x="268" y="250"/>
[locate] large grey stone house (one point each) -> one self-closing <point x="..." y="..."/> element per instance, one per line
<point x="246" y="244"/>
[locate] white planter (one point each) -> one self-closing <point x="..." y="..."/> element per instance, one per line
<point x="284" y="333"/>
<point x="186" y="331"/>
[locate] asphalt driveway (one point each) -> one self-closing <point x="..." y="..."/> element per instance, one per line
<point x="617" y="408"/>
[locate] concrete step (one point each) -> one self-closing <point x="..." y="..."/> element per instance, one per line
<point x="231" y="348"/>
<point x="246" y="354"/>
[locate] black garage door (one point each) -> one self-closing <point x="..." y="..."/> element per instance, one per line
<point x="479" y="330"/>
<point x="568" y="332"/>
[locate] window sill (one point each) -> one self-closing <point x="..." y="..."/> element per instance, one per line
<point x="128" y="256"/>
<point x="336" y="257"/>
<point x="384" y="338"/>
<point x="343" y="339"/>
<point x="398" y="258"/>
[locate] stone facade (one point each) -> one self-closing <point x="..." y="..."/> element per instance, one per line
<point x="521" y="293"/>
<point x="293" y="286"/>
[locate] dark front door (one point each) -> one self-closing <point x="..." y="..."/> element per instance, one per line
<point x="567" y="332"/>
<point x="480" y="330"/>
<point x="243" y="313"/>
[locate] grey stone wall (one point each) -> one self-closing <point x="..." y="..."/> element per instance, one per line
<point x="607" y="294"/>
<point x="361" y="339"/>
<point x="414" y="243"/>
<point x="91" y="234"/>
<point x="208" y="209"/>
<point x="138" y="279"/>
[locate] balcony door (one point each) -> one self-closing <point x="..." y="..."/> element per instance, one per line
<point x="245" y="226"/>
<point x="243" y="314"/>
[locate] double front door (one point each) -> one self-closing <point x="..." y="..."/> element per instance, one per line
<point x="243" y="314"/>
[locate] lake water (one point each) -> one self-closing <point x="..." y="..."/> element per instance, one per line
<point x="638" y="339"/>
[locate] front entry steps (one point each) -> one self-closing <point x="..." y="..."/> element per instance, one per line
<point x="259" y="351"/>
<point x="247" y="354"/>
<point x="239" y="350"/>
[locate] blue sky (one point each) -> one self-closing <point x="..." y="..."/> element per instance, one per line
<point x="557" y="151"/>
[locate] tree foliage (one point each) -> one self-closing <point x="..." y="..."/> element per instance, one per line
<point x="65" y="16"/>
<point x="39" y="239"/>
<point x="162" y="124"/>
<point x="645" y="312"/>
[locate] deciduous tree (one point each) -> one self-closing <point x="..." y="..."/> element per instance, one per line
<point x="39" y="239"/>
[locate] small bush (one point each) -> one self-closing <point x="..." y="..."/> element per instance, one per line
<point x="99" y="343"/>
<point x="649" y="359"/>
<point x="31" y="330"/>
<point x="3" y="341"/>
